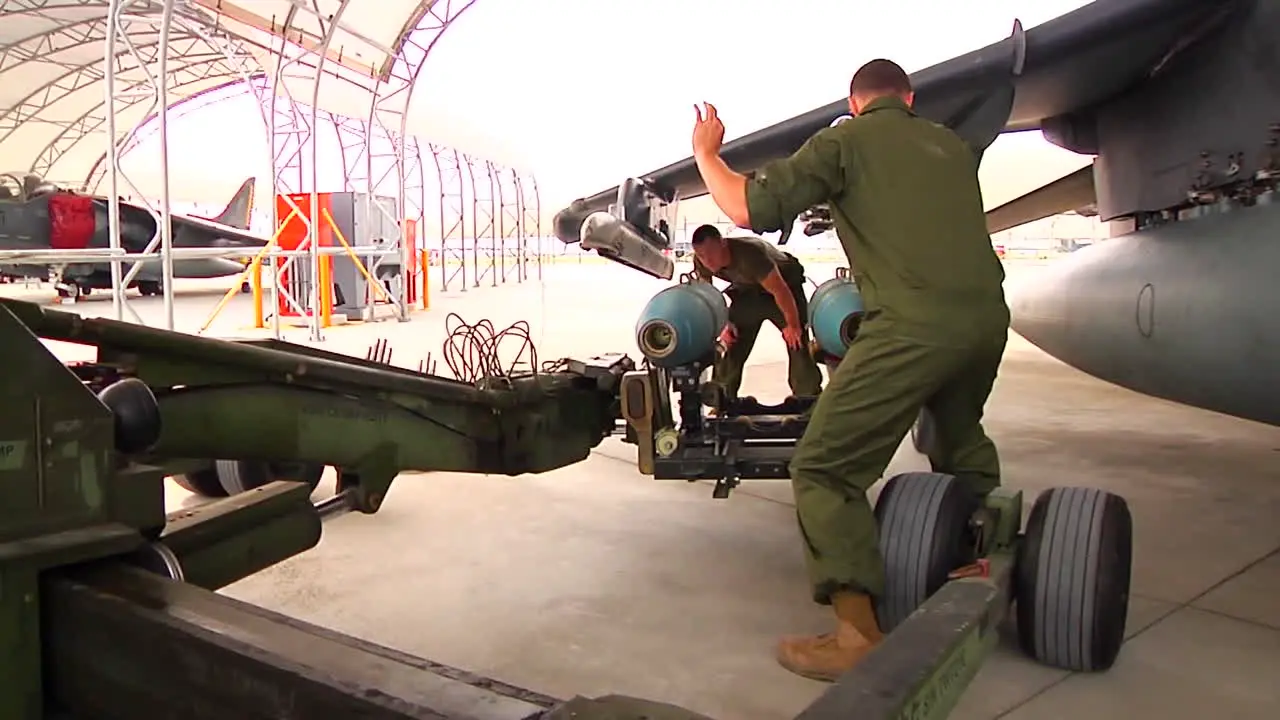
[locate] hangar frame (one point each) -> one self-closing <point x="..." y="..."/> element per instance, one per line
<point x="84" y="74"/>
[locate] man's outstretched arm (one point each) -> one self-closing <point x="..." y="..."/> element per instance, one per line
<point x="781" y="191"/>
<point x="777" y="287"/>
<point x="727" y="187"/>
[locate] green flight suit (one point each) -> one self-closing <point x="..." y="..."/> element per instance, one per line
<point x="907" y="208"/>
<point x="751" y="259"/>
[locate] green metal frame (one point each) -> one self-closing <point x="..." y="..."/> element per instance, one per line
<point x="68" y="496"/>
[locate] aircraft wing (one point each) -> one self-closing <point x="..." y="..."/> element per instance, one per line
<point x="1021" y="83"/>
<point x="229" y="236"/>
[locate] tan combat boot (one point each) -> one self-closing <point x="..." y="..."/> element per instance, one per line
<point x="826" y="657"/>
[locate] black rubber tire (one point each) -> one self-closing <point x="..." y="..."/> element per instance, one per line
<point x="924" y="520"/>
<point x="924" y="432"/>
<point x="238" y="476"/>
<point x="203" y="482"/>
<point x="1072" y="578"/>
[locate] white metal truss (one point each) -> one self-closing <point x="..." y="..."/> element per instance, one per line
<point x="509" y="253"/>
<point x="72" y="70"/>
<point x="236" y="68"/>
<point x="531" y="218"/>
<point x="484" y="224"/>
<point x="380" y="157"/>
<point x="301" y="63"/>
<point x="455" y="176"/>
<point x="78" y="75"/>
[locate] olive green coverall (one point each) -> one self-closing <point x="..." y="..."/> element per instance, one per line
<point x="751" y="259"/>
<point x="907" y="207"/>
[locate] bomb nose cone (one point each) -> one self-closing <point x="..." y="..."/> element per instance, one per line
<point x="657" y="339"/>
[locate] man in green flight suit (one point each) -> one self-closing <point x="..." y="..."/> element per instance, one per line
<point x="906" y="204"/>
<point x="765" y="283"/>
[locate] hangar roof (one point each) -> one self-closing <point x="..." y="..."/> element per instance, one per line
<point x="53" y="108"/>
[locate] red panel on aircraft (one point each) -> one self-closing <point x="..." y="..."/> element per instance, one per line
<point x="71" y="223"/>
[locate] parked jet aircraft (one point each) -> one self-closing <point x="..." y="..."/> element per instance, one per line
<point x="42" y="220"/>
<point x="1179" y="103"/>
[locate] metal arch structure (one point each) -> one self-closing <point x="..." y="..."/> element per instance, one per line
<point x="83" y="74"/>
<point x="509" y="255"/>
<point x="484" y="225"/>
<point x="531" y="217"/>
<point x="380" y="156"/>
<point x="302" y="40"/>
<point x="52" y="76"/>
<point x="454" y="174"/>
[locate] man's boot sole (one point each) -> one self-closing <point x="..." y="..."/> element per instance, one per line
<point x="817" y="675"/>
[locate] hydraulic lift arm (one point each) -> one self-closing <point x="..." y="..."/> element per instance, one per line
<point x="113" y="595"/>
<point x="276" y="401"/>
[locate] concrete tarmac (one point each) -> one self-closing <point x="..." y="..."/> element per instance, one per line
<point x="593" y="579"/>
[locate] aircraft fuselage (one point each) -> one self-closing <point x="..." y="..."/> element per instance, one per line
<point x="66" y="222"/>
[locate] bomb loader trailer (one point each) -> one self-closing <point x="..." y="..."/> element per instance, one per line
<point x="109" y="606"/>
<point x="953" y="563"/>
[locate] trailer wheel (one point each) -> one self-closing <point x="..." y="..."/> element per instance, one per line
<point x="924" y="520"/>
<point x="924" y="432"/>
<point x="237" y="476"/>
<point x="1072" y="578"/>
<point x="203" y="482"/>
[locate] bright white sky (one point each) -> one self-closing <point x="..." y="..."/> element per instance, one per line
<point x="586" y="92"/>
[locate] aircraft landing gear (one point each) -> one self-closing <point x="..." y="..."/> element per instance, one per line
<point x="69" y="291"/>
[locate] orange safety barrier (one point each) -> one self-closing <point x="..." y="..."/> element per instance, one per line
<point x="255" y="284"/>
<point x="408" y="239"/>
<point x="296" y="235"/>
<point x="424" y="262"/>
<point x="301" y="241"/>
<point x="325" y="292"/>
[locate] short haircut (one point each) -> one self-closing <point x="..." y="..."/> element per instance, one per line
<point x="705" y="233"/>
<point x="878" y="78"/>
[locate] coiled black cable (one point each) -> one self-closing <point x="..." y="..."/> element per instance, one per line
<point x="474" y="352"/>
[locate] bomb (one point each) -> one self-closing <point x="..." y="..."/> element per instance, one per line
<point x="680" y="325"/>
<point x="835" y="311"/>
